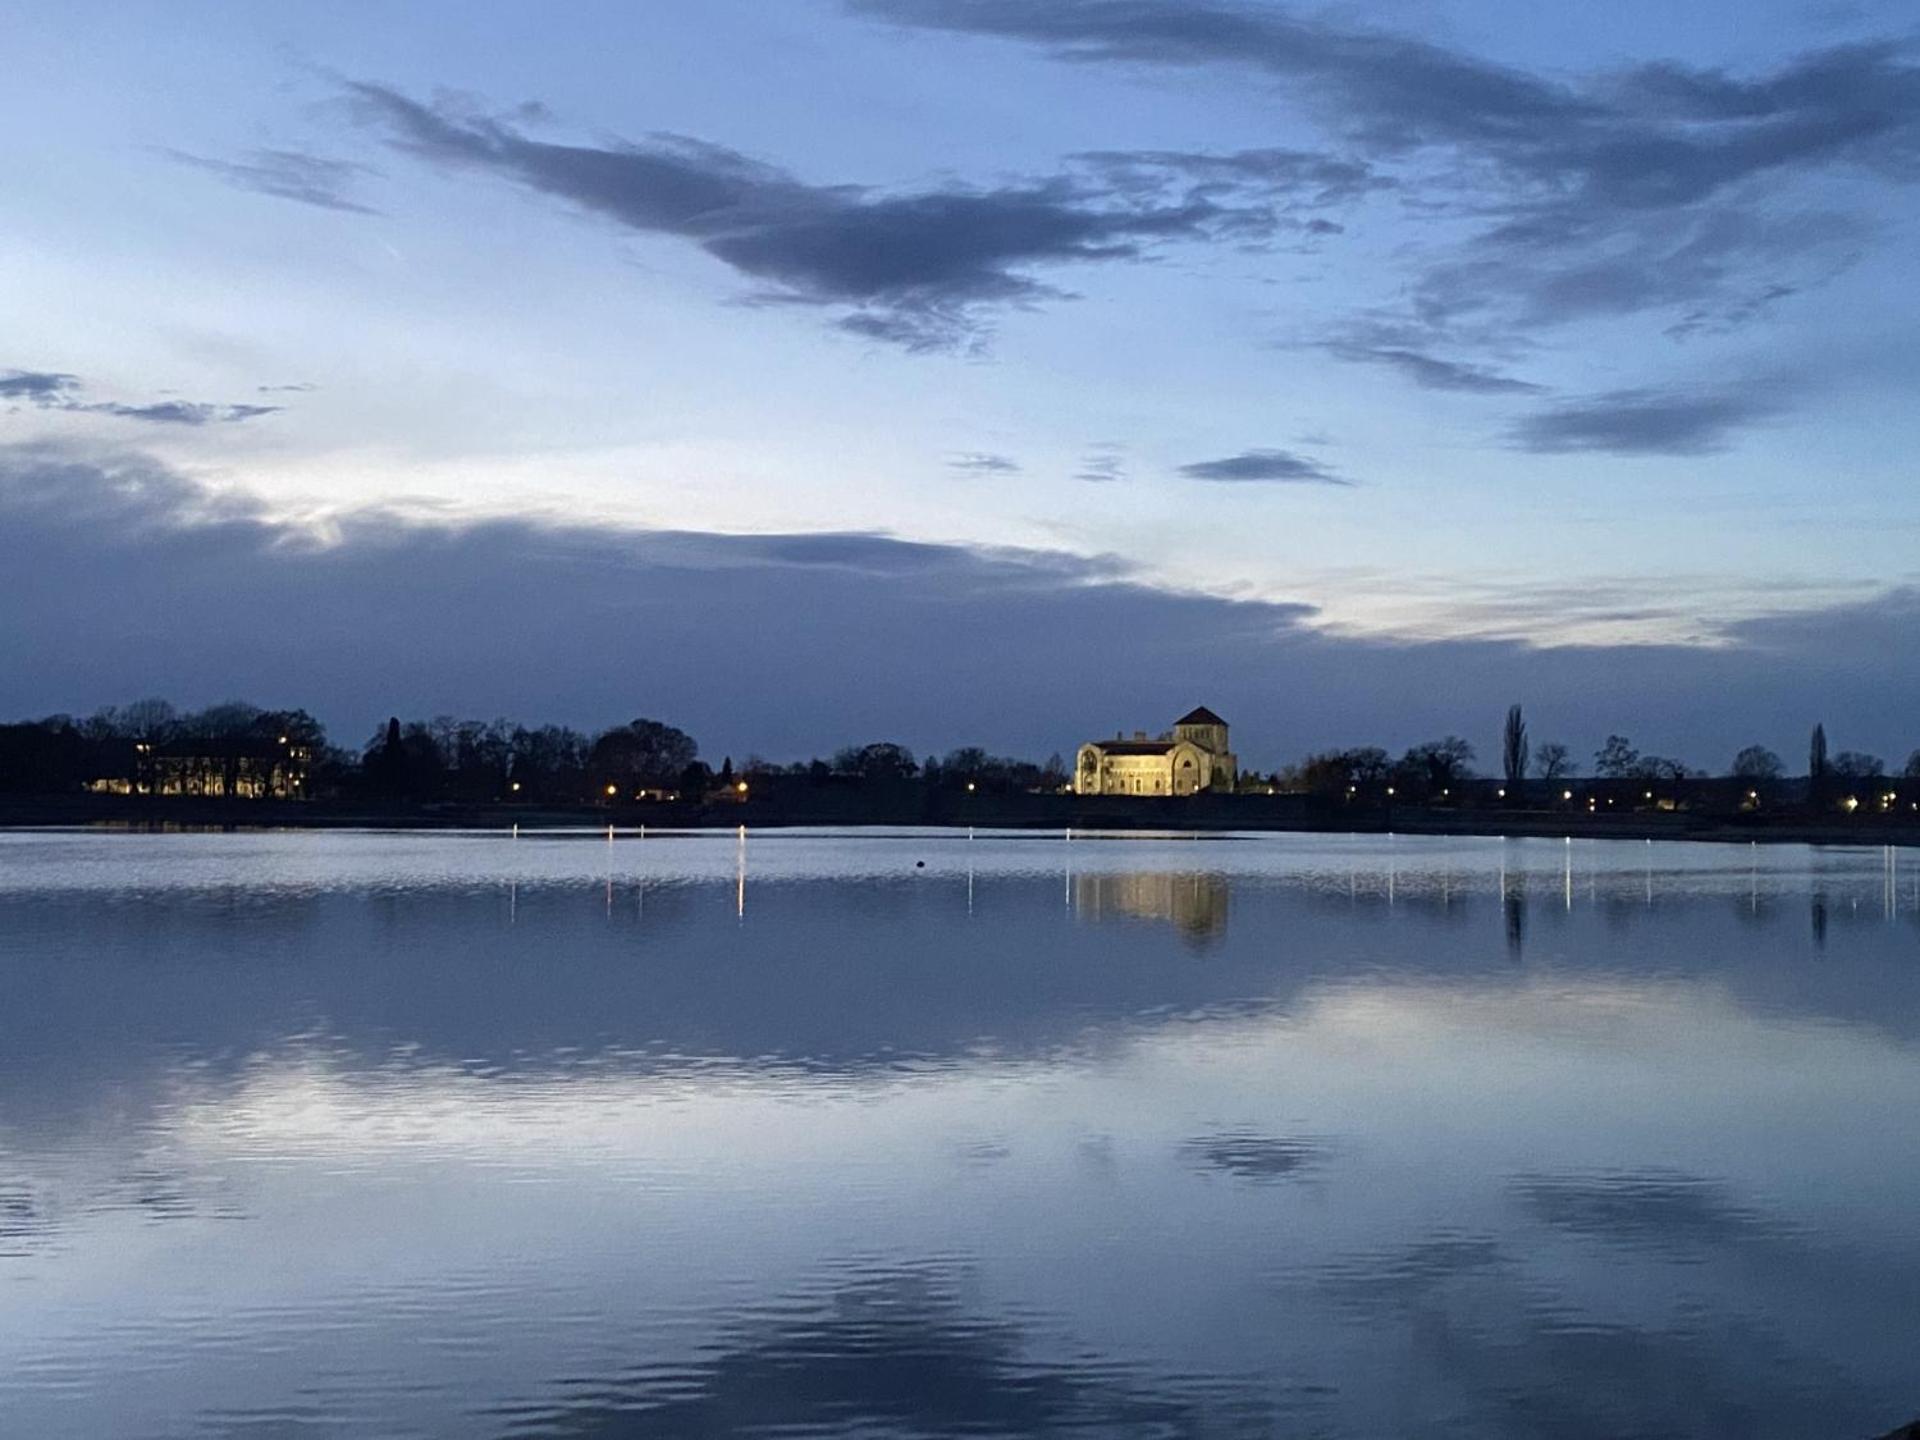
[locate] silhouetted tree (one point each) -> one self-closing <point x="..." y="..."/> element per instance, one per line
<point x="1615" y="759"/>
<point x="548" y="763"/>
<point x="880" y="762"/>
<point x="1911" y="770"/>
<point x="1756" y="762"/>
<point x="1819" y="781"/>
<point x="640" y="755"/>
<point x="1361" y="772"/>
<point x="1514" y="751"/>
<point x="1857" y="765"/>
<point x="1555" y="761"/>
<point x="403" y="761"/>
<point x="1438" y="765"/>
<point x="1658" y="767"/>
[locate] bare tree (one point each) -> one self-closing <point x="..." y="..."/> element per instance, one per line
<point x="1556" y="761"/>
<point x="1616" y="759"/>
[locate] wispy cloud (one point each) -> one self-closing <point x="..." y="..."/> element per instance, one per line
<point x="919" y="269"/>
<point x="1633" y="190"/>
<point x="56" y="390"/>
<point x="1271" y="467"/>
<point x="1431" y="372"/>
<point x="1103" y="462"/>
<point x="979" y="462"/>
<point x="287" y="175"/>
<point x="1643" y="421"/>
<point x="181" y="412"/>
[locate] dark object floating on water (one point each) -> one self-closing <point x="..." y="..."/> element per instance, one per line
<point x="919" y="864"/>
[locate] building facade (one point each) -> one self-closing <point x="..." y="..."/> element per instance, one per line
<point x="1192" y="757"/>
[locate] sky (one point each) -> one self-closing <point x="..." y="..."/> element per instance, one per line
<point x="969" y="371"/>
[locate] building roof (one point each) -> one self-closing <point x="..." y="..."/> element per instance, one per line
<point x="1201" y="716"/>
<point x="1135" y="747"/>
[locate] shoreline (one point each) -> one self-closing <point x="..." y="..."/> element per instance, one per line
<point x="1248" y="814"/>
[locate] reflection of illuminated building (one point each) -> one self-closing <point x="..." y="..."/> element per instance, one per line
<point x="1195" y="903"/>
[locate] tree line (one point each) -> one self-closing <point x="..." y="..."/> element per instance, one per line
<point x="1439" y="770"/>
<point x="150" y="747"/>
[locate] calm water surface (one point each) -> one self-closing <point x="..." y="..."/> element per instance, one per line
<point x="789" y="1134"/>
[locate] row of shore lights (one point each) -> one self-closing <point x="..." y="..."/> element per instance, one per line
<point x="1850" y="804"/>
<point x="740" y="788"/>
<point x="614" y="790"/>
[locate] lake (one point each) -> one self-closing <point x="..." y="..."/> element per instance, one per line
<point x="924" y="1134"/>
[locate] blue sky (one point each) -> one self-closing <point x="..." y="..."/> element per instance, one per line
<point x="1531" y="344"/>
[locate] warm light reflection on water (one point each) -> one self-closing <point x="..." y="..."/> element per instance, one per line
<point x="926" y="1134"/>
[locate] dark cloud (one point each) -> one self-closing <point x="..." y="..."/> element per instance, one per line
<point x="977" y="462"/>
<point x="920" y="269"/>
<point x="1430" y="372"/>
<point x="287" y="174"/>
<point x="1643" y="422"/>
<point x="1625" y="192"/>
<point x="37" y="387"/>
<point x="119" y="576"/>
<point x="1278" y="467"/>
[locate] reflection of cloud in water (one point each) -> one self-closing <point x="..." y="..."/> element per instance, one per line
<point x="1362" y="1286"/>
<point x="1668" y="1212"/>
<point x="1499" y="1350"/>
<point x="1196" y="904"/>
<point x="1249" y="1155"/>
<point x="897" y="1352"/>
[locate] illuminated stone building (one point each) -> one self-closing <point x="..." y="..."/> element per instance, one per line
<point x="1191" y="758"/>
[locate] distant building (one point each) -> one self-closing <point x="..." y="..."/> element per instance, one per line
<point x="248" y="770"/>
<point x="1194" y="757"/>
